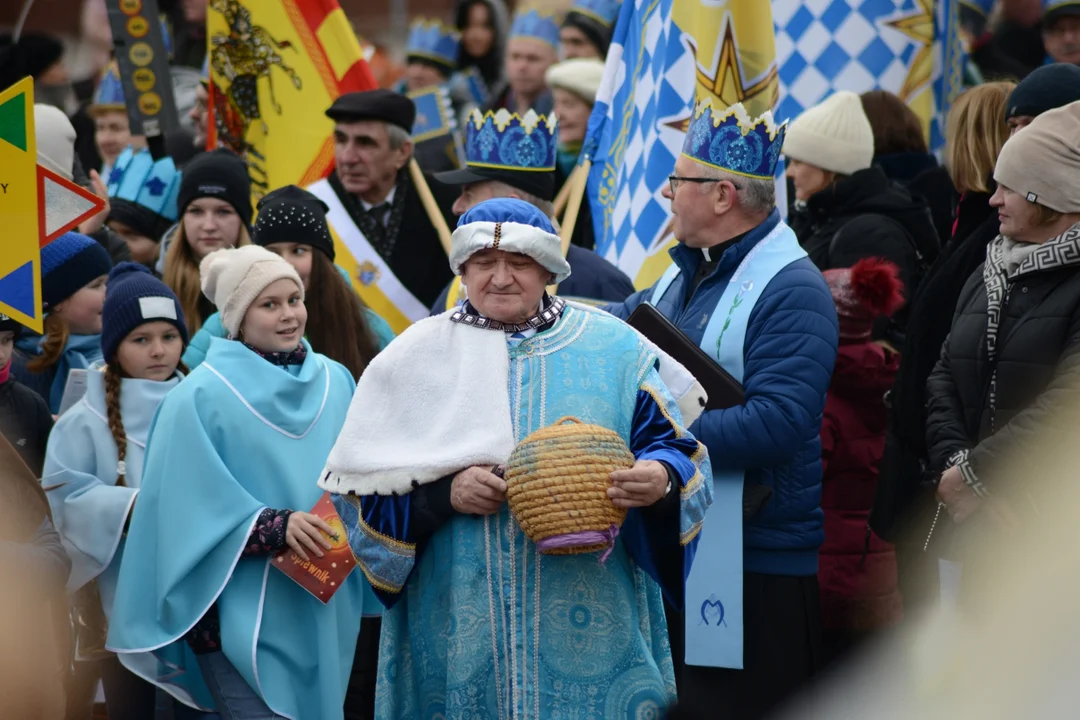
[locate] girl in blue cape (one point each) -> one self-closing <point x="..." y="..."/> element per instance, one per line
<point x="73" y="272"/>
<point x="292" y="223"/>
<point x="231" y="467"/>
<point x="94" y="461"/>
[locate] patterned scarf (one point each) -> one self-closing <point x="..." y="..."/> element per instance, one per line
<point x="282" y="359"/>
<point x="1006" y="261"/>
<point x="383" y="239"/>
<point x="550" y="310"/>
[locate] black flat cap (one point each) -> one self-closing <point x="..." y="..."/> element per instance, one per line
<point x="1055" y="12"/>
<point x="540" y="184"/>
<point x="385" y="105"/>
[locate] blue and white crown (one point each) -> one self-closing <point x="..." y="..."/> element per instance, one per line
<point x="431" y="40"/>
<point x="537" y="24"/>
<point x="109" y="94"/>
<point x="605" y="12"/>
<point x="138" y="178"/>
<point x="729" y="140"/>
<point x="507" y="141"/>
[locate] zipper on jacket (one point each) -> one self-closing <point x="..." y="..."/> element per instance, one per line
<point x="937" y="514"/>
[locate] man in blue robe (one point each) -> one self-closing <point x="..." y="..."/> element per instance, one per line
<point x="480" y="623"/>
<point x="743" y="290"/>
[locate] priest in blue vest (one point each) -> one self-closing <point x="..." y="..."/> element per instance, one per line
<point x="512" y="157"/>
<point x="481" y="622"/>
<point x="742" y="288"/>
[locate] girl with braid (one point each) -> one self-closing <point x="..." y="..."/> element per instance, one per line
<point x="94" y="461"/>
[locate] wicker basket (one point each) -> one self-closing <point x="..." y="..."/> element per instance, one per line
<point x="556" y="485"/>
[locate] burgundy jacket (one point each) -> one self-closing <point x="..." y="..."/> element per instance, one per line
<point x="856" y="568"/>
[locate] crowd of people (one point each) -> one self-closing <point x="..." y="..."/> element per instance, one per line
<point x="902" y="331"/>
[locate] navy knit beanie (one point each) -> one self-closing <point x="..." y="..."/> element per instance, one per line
<point x="69" y="263"/>
<point x="1046" y="88"/>
<point x="135" y="297"/>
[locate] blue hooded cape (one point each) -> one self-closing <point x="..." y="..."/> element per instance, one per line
<point x="238" y="435"/>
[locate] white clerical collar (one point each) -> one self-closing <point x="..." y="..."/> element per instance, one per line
<point x="705" y="252"/>
<point x="388" y="200"/>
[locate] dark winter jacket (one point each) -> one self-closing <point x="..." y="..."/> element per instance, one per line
<point x="921" y="175"/>
<point x="930" y="318"/>
<point x="789" y="351"/>
<point x="1037" y="365"/>
<point x="856" y="568"/>
<point x="25" y="421"/>
<point x="866" y="215"/>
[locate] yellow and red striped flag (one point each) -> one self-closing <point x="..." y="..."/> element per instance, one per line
<point x="274" y="68"/>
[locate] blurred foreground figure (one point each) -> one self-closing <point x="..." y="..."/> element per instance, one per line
<point x="34" y="654"/>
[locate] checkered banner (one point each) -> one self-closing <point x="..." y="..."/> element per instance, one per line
<point x="666" y="53"/>
<point x="909" y="47"/>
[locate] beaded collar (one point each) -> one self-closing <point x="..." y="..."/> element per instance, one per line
<point x="551" y="309"/>
<point x="292" y="357"/>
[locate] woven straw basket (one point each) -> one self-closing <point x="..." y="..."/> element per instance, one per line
<point x="556" y="485"/>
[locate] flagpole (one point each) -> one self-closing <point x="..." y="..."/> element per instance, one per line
<point x="580" y="178"/>
<point x="430" y="206"/>
<point x="564" y="193"/>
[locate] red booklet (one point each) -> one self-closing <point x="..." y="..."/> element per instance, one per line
<point x="321" y="576"/>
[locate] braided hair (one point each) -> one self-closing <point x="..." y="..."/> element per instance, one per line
<point x="114" y="375"/>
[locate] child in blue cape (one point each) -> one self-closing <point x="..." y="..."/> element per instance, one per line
<point x="73" y="272"/>
<point x="94" y="461"/>
<point x="231" y="467"/>
<point x="292" y="224"/>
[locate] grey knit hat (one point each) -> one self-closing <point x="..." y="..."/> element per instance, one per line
<point x="1042" y="161"/>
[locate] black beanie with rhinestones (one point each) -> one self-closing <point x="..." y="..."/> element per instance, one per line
<point x="291" y="214"/>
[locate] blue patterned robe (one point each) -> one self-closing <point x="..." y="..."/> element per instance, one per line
<point x="481" y="625"/>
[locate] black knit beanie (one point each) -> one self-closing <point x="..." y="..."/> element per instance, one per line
<point x="290" y="214"/>
<point x="597" y="34"/>
<point x="32" y="55"/>
<point x="1046" y="88"/>
<point x="221" y="174"/>
<point x="139" y="218"/>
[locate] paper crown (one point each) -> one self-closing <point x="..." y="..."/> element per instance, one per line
<point x="431" y="40"/>
<point x="605" y="12"/>
<point x="506" y="141"/>
<point x="537" y="24"/>
<point x="138" y="178"/>
<point x="109" y="94"/>
<point x="730" y="141"/>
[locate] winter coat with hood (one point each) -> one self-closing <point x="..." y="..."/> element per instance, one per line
<point x="856" y="569"/>
<point x="906" y="459"/>
<point x="865" y="215"/>
<point x="1004" y="375"/>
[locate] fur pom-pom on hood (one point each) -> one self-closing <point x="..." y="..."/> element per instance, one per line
<point x="868" y="290"/>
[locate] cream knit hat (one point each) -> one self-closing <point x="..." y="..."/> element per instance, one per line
<point x="581" y="76"/>
<point x="233" y="277"/>
<point x="833" y="135"/>
<point x="1042" y="161"/>
<point x="55" y="138"/>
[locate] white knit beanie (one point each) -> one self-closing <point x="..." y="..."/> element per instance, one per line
<point x="233" y="277"/>
<point x="55" y="137"/>
<point x="581" y="76"/>
<point x="834" y="135"/>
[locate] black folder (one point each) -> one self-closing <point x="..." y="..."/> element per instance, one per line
<point x="723" y="390"/>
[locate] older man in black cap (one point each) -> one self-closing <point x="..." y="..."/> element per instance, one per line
<point x="375" y="210"/>
<point x="496" y="170"/>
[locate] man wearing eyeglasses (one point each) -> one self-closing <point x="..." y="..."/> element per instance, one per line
<point x="742" y="289"/>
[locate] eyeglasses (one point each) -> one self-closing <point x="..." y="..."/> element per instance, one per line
<point x="674" y="180"/>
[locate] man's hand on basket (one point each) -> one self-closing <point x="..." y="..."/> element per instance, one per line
<point x="477" y="491"/>
<point x="643" y="485"/>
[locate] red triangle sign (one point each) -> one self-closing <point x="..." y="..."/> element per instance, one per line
<point x="62" y="205"/>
